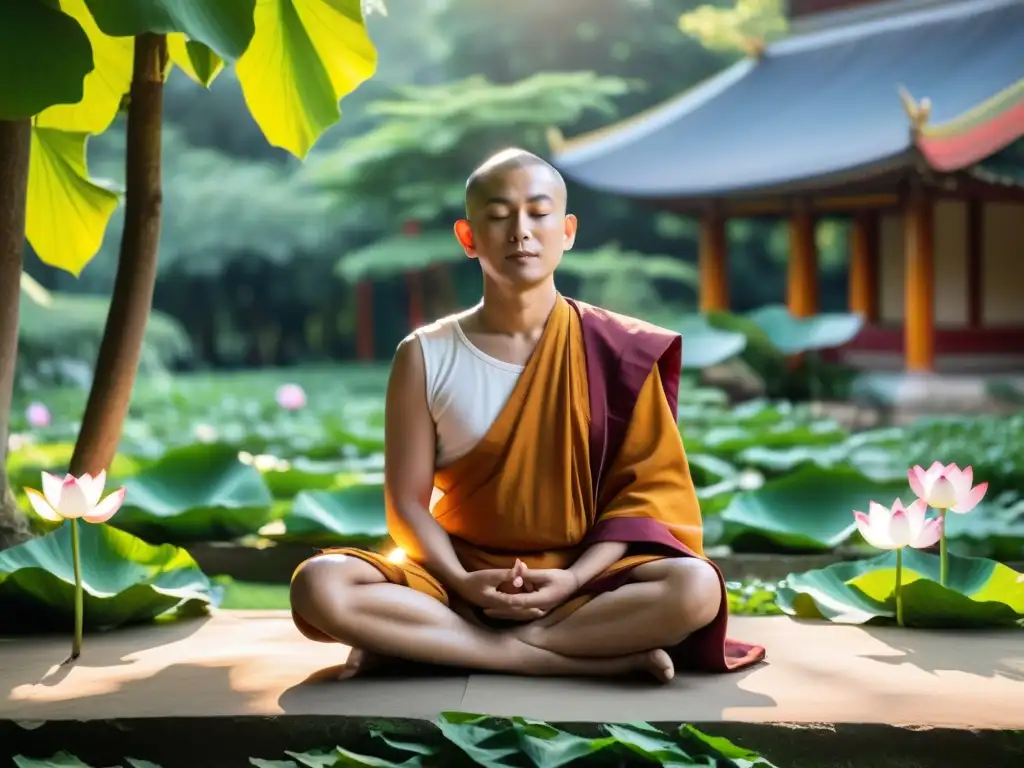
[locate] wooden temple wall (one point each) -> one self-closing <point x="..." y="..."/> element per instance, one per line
<point x="999" y="281"/>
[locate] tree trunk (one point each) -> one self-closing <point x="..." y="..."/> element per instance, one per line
<point x="121" y="348"/>
<point x="15" y="144"/>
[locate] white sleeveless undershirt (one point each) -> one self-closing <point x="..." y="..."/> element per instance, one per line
<point x="466" y="388"/>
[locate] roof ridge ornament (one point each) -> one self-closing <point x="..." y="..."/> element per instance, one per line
<point x="919" y="112"/>
<point x="754" y="46"/>
<point x="555" y="138"/>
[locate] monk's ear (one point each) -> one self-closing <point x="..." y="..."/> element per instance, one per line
<point x="570" y="231"/>
<point x="464" y="234"/>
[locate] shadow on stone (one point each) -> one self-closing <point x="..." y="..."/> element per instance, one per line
<point x="40" y="666"/>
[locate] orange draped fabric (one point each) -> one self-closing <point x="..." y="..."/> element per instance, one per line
<point x="527" y="490"/>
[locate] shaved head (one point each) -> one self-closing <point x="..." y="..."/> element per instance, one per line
<point x="481" y="180"/>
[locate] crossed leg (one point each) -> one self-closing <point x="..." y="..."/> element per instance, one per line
<point x="350" y="601"/>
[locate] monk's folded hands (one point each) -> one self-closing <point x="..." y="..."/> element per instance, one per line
<point x="551" y="588"/>
<point x="484" y="588"/>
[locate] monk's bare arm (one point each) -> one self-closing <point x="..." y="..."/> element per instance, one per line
<point x="409" y="450"/>
<point x="596" y="559"/>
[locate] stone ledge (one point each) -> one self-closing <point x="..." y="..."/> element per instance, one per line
<point x="248" y="682"/>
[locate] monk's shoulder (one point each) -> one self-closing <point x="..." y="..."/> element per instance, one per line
<point x="616" y="326"/>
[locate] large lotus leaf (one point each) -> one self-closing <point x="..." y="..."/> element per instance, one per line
<point x="302" y="474"/>
<point x="125" y="581"/>
<point x="196" y="493"/>
<point x="492" y="741"/>
<point x="352" y="515"/>
<point x="730" y="440"/>
<point x="995" y="528"/>
<point x="304" y="57"/>
<point x="195" y="59"/>
<point x="105" y="86"/>
<point x="226" y="26"/>
<point x="66" y="213"/>
<point x="874" y="461"/>
<point x="809" y="509"/>
<point x="704" y="346"/>
<point x="794" y="335"/>
<point x="45" y="57"/>
<point x="979" y="593"/>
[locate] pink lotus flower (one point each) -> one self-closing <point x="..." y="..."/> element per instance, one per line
<point x="898" y="527"/>
<point x="70" y="499"/>
<point x="947" y="487"/>
<point x="291" y="397"/>
<point x="38" y="415"/>
<point x="73" y="498"/>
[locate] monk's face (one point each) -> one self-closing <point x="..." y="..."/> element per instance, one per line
<point x="517" y="225"/>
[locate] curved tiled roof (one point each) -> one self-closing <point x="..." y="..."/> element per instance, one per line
<point x="817" y="108"/>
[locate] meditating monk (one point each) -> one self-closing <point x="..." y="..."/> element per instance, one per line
<point x="535" y="479"/>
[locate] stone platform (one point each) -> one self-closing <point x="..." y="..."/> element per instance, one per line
<point x="244" y="667"/>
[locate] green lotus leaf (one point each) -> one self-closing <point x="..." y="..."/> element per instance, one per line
<point x="124" y="579"/>
<point x="979" y="593"/>
<point x="706" y="468"/>
<point x="730" y="440"/>
<point x="875" y="462"/>
<point x="794" y="335"/>
<point x="992" y="529"/>
<point x="349" y="516"/>
<point x="226" y="26"/>
<point x="704" y="346"/>
<point x="195" y="493"/>
<point x="304" y="474"/>
<point x="45" y="56"/>
<point x="810" y="509"/>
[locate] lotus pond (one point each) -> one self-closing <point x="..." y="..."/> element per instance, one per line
<point x="216" y="458"/>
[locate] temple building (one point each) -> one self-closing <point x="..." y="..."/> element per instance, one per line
<point x="904" y="116"/>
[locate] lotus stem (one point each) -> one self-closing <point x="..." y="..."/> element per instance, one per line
<point x="76" y="557"/>
<point x="943" y="554"/>
<point x="899" y="587"/>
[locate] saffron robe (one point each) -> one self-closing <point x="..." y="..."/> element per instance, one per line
<point x="587" y="449"/>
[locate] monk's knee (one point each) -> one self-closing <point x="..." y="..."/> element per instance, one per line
<point x="694" y="593"/>
<point x="321" y="587"/>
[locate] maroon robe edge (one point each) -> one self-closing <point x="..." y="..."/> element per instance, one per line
<point x="621" y="351"/>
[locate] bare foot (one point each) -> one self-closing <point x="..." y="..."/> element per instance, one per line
<point x="359" y="662"/>
<point x="659" y="664"/>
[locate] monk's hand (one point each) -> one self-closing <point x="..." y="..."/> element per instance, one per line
<point x="484" y="588"/>
<point x="550" y="588"/>
<point x="518" y="579"/>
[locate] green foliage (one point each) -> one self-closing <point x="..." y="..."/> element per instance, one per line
<point x="796" y="335"/>
<point x="414" y="164"/>
<point x="979" y="593"/>
<point x="225" y="26"/>
<point x="352" y="516"/>
<point x="753" y="597"/>
<point x="398" y="254"/>
<point x="460" y="738"/>
<point x="45" y="55"/>
<point x="84" y="58"/>
<point x="735" y="28"/>
<point x="57" y="328"/>
<point x="705" y="345"/>
<point x="125" y="581"/>
<point x="197" y="493"/>
<point x="812" y="508"/>
<point x="627" y="281"/>
<point x="272" y="215"/>
<point x="769" y="475"/>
